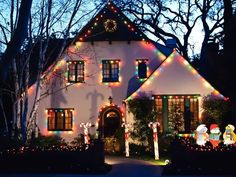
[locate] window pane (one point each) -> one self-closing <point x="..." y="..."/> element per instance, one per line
<point x="159" y="109"/>
<point x="71" y="72"/>
<point x="194" y="112"/>
<point x="60" y="120"/>
<point x="80" y="71"/>
<point x="176" y="114"/>
<point x="110" y="70"/>
<point x="142" y="70"/>
<point x="115" y="72"/>
<point x="51" y="120"/>
<point x="76" y="71"/>
<point x="68" y="119"/>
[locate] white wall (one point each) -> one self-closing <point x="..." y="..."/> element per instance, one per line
<point x="89" y="97"/>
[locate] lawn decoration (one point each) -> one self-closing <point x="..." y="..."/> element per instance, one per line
<point x="201" y="135"/>
<point x="214" y="137"/>
<point x="154" y="125"/>
<point x="86" y="132"/>
<point x="127" y="129"/>
<point x="229" y="136"/>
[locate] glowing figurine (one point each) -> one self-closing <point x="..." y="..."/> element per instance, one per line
<point x="154" y="126"/>
<point x="127" y="129"/>
<point x="86" y="132"/>
<point x="201" y="135"/>
<point x="229" y="136"/>
<point x="215" y="133"/>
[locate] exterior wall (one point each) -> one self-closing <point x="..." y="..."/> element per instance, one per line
<point x="89" y="97"/>
<point x="175" y="77"/>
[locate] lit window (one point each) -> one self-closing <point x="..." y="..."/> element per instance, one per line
<point x="59" y="119"/>
<point x="141" y="68"/>
<point x="75" y="71"/>
<point x="110" y="70"/>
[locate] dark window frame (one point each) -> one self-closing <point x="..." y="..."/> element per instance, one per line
<point x="142" y="65"/>
<point x="56" y="112"/>
<point x="110" y="70"/>
<point x="78" y="72"/>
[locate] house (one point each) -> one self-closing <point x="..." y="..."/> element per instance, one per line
<point x="109" y="62"/>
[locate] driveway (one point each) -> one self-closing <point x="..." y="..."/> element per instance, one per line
<point x="121" y="166"/>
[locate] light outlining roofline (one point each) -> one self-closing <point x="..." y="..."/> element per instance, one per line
<point x="168" y="59"/>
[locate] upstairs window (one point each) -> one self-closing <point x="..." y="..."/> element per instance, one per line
<point x="75" y="71"/>
<point x="110" y="70"/>
<point x="141" y="68"/>
<point x="59" y="119"/>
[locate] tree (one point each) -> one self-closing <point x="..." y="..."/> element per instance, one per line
<point x="49" y="20"/>
<point x="20" y="26"/>
<point x="144" y="113"/>
<point x="221" y="61"/>
<point x="215" y="110"/>
<point x="228" y="56"/>
<point x="176" y="19"/>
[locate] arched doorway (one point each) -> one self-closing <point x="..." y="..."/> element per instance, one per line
<point x="110" y="119"/>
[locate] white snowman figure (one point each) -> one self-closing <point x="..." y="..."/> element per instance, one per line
<point x="201" y="135"/>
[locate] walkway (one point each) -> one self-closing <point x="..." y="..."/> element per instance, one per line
<point x="122" y="166"/>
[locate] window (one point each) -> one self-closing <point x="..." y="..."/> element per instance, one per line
<point x="110" y="70"/>
<point x="177" y="112"/>
<point x="60" y="119"/>
<point x="75" y="71"/>
<point x="141" y="68"/>
<point x="159" y="111"/>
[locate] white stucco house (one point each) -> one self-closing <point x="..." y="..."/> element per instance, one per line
<point x="109" y="62"/>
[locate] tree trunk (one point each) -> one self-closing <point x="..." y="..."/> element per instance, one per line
<point x="17" y="115"/>
<point x="14" y="46"/>
<point x="4" y="116"/>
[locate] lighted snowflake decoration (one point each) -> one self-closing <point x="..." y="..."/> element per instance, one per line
<point x="110" y="25"/>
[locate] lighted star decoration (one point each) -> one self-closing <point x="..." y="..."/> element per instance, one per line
<point x="110" y="25"/>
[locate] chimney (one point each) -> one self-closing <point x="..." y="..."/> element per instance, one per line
<point x="171" y="43"/>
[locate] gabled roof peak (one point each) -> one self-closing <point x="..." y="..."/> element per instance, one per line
<point x="110" y="24"/>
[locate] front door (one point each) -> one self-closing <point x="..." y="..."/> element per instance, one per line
<point x="109" y="122"/>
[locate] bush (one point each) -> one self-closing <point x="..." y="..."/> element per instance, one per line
<point x="164" y="143"/>
<point x="214" y="110"/>
<point x="8" y="142"/>
<point x="78" y="141"/>
<point x="46" y="141"/>
<point x="142" y="109"/>
<point x="138" y="149"/>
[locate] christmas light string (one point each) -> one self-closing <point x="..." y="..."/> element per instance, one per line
<point x="161" y="68"/>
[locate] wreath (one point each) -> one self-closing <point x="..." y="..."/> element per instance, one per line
<point x="110" y="25"/>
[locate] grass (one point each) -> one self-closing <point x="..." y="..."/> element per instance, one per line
<point x="161" y="161"/>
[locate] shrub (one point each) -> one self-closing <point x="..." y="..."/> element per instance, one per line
<point x="46" y="141"/>
<point x="214" y="110"/>
<point x="144" y="113"/>
<point x="8" y="142"/>
<point x="164" y="143"/>
<point x="78" y="141"/>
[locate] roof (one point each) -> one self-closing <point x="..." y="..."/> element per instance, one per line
<point x="160" y="69"/>
<point x="164" y="49"/>
<point x="110" y="24"/>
